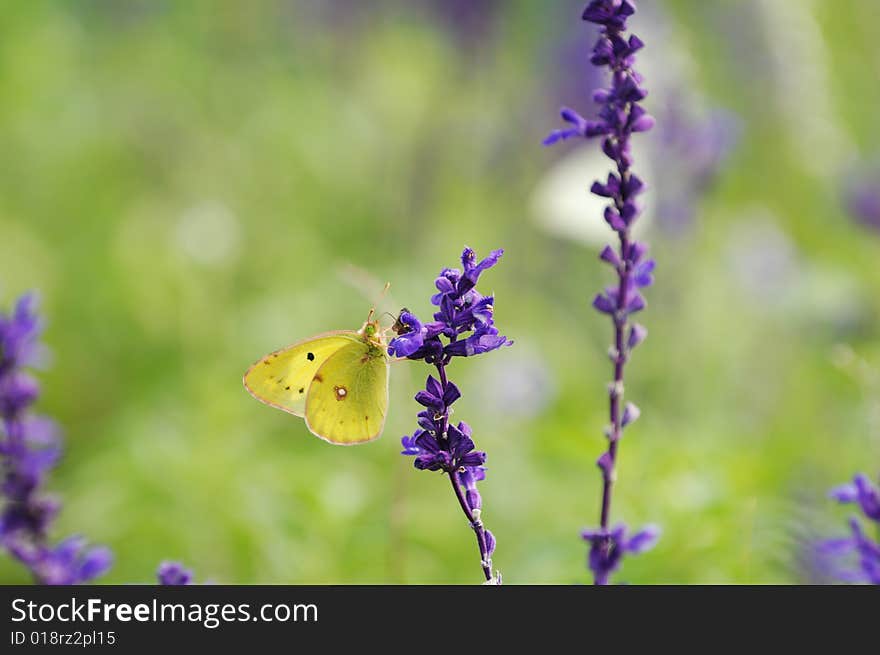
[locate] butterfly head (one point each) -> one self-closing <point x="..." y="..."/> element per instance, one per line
<point x="372" y="331"/>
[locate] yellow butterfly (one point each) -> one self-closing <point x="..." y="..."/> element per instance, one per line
<point x="337" y="381"/>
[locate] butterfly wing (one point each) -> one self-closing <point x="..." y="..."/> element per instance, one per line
<point x="348" y="398"/>
<point x="282" y="378"/>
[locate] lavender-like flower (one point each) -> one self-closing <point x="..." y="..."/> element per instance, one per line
<point x="173" y="574"/>
<point x="29" y="448"/>
<point x="866" y="550"/>
<point x="463" y="326"/>
<point x="620" y="116"/>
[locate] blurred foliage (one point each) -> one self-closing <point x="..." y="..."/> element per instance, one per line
<point x="192" y="185"/>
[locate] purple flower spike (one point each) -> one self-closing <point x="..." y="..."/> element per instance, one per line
<point x="463" y="326"/>
<point x="620" y="116"/>
<point x="29" y="448"/>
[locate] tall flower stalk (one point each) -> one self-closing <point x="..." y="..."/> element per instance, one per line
<point x="463" y="326"/>
<point x="620" y="116"/>
<point x="29" y="448"/>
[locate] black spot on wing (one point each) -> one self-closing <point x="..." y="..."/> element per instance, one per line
<point x="311" y="357"/>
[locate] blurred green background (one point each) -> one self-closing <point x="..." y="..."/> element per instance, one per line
<point x="192" y="185"/>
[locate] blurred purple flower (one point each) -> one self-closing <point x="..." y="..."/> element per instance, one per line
<point x="18" y="335"/>
<point x="861" y="492"/>
<point x="173" y="573"/>
<point x="569" y="78"/>
<point x="866" y="552"/>
<point x="689" y="155"/>
<point x="70" y="562"/>
<point x="29" y="448"/>
<point x="463" y="326"/>
<point x="607" y="547"/>
<point x="619" y="117"/>
<point x="469" y="21"/>
<point x="862" y="196"/>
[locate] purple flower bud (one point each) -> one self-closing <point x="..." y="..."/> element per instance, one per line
<point x="571" y="116"/>
<point x="603" y="52"/>
<point x="614" y="220"/>
<point x="643" y="540"/>
<point x="637" y="250"/>
<point x="631" y="414"/>
<point x="641" y="124"/>
<point x="609" y="255"/>
<point x="635" y="44"/>
<point x="409" y="444"/>
<point x="642" y="276"/>
<point x="845" y="493"/>
<point x="608" y="190"/>
<point x="611" y="148"/>
<point x="601" y="96"/>
<point x="632" y="186"/>
<point x="490" y="542"/>
<point x="637" y="334"/>
<point x="630" y="212"/>
<point x="628" y="90"/>
<point x="862" y="492"/>
<point x="635" y="304"/>
<point x="603" y="304"/>
<point x="17" y="392"/>
<point x="95" y="563"/>
<point x="605" y="463"/>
